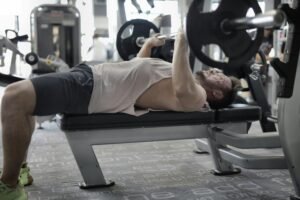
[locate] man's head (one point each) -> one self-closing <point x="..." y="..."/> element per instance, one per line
<point x="220" y="89"/>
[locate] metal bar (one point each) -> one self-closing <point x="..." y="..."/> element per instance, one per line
<point x="270" y="19"/>
<point x="141" y="40"/>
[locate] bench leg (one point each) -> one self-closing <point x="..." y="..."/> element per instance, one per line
<point x="202" y="144"/>
<point x="222" y="167"/>
<point x="88" y="164"/>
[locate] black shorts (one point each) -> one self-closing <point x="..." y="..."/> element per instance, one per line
<point x="68" y="92"/>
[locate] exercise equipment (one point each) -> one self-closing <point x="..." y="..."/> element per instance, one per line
<point x="270" y="19"/>
<point x="167" y="50"/>
<point x="10" y="44"/>
<point x="84" y="131"/>
<point x="155" y="126"/>
<point x="141" y="40"/>
<point x="133" y="34"/>
<point x="54" y="63"/>
<point x="6" y="43"/>
<point x="227" y="27"/>
<point x="129" y="34"/>
<point x="15" y="37"/>
<point x="55" y="30"/>
<point x="289" y="95"/>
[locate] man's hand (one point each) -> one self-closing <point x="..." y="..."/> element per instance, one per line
<point x="150" y="43"/>
<point x="154" y="41"/>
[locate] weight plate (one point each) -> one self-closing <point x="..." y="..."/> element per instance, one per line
<point x="128" y="34"/>
<point x="204" y="28"/>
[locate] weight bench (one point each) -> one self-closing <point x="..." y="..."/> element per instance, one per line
<point x="84" y="131"/>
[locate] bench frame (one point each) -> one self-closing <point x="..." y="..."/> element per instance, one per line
<point x="85" y="131"/>
<point x="82" y="142"/>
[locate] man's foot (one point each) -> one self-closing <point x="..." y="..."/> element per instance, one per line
<point x="8" y="193"/>
<point x="25" y="176"/>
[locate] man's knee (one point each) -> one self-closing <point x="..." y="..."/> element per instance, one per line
<point x="19" y="97"/>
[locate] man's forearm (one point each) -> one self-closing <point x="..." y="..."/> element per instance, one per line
<point x="145" y="51"/>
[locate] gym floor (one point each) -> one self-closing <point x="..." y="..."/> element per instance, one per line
<point x="145" y="171"/>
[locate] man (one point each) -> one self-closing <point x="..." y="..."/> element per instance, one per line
<point x="131" y="87"/>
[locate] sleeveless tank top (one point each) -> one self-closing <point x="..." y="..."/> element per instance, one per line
<point x="117" y="86"/>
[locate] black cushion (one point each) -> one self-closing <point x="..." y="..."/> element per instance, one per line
<point x="238" y="113"/>
<point x="234" y="113"/>
<point x="121" y="120"/>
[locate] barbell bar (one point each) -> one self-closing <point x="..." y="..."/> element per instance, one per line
<point x="141" y="40"/>
<point x="270" y="19"/>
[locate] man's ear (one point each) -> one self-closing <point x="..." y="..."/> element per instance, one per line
<point x="218" y="94"/>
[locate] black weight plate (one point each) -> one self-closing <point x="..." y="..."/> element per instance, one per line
<point x="133" y="29"/>
<point x="204" y="28"/>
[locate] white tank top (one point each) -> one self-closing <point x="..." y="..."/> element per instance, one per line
<point x="117" y="86"/>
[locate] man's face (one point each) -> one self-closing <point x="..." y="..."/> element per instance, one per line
<point x="214" y="78"/>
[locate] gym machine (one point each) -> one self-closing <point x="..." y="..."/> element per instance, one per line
<point x="288" y="85"/>
<point x="229" y="31"/>
<point x="289" y="95"/>
<point x="55" y="30"/>
<point x="52" y="62"/>
<point x="122" y="12"/>
<point x="10" y="44"/>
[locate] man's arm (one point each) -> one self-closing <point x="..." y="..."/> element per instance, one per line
<point x="191" y="95"/>
<point x="145" y="51"/>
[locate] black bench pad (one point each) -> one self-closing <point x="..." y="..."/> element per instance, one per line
<point x="121" y="120"/>
<point x="234" y="113"/>
<point x="238" y="113"/>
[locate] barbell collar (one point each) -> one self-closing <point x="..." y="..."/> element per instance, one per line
<point x="270" y="19"/>
<point x="140" y="41"/>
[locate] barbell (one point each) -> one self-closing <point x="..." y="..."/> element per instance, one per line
<point x="141" y="40"/>
<point x="271" y="19"/>
<point x="226" y="27"/>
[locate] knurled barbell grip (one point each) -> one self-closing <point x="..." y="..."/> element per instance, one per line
<point x="141" y="40"/>
<point x="270" y="19"/>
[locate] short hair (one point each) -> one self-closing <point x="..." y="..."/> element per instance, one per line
<point x="228" y="95"/>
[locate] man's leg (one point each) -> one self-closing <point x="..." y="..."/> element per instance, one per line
<point x="18" y="104"/>
<point x="44" y="95"/>
<point x="25" y="177"/>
